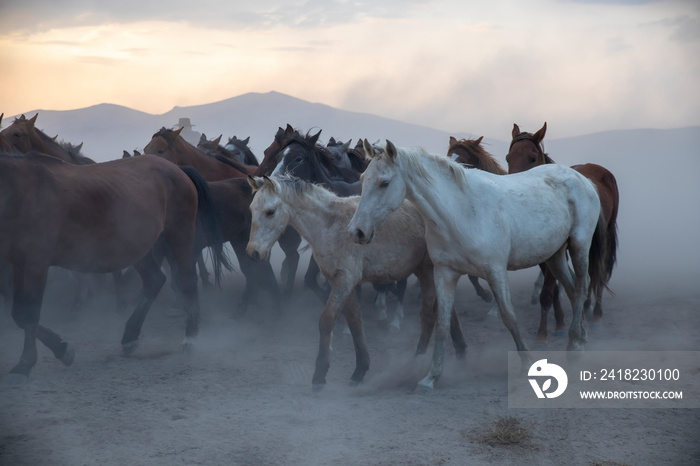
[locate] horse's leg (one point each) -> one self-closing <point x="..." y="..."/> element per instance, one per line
<point x="29" y="284"/>
<point x="203" y="272"/>
<point x="498" y="281"/>
<point x="445" y="285"/>
<point x="576" y="286"/>
<point x="152" y="279"/>
<point x="380" y="301"/>
<point x="289" y="241"/>
<point x="560" y="329"/>
<point x="546" y="297"/>
<point x="480" y="291"/>
<point x="257" y="274"/>
<point x="340" y="291"/>
<point x="537" y="288"/>
<point x="353" y="317"/>
<point x="428" y="310"/>
<point x="400" y="291"/>
<point x="311" y="282"/>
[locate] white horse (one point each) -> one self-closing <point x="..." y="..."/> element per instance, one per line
<point x="483" y="224"/>
<point x="321" y="217"/>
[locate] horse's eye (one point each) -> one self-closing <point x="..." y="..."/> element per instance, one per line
<point x="533" y="159"/>
<point x="270" y="212"/>
<point x="384" y="184"/>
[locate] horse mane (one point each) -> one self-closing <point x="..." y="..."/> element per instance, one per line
<point x="321" y="154"/>
<point x="415" y="157"/>
<point x="487" y="162"/>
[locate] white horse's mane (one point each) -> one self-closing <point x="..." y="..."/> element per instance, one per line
<point x="415" y="159"/>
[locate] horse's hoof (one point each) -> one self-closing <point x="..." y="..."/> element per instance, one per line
<point x="423" y="389"/>
<point x="188" y="345"/>
<point x="16" y="379"/>
<point x="562" y="332"/>
<point x="318" y="387"/>
<point x="68" y="357"/>
<point x="540" y="346"/>
<point x="129" y="348"/>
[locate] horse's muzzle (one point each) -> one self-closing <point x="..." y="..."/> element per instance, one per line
<point x="362" y="238"/>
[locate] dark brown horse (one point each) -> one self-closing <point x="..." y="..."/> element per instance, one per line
<point x="168" y="144"/>
<point x="96" y="218"/>
<point x="23" y="135"/>
<point x="526" y="152"/>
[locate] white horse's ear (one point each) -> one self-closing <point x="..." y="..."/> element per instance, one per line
<point x="516" y="131"/>
<point x="269" y="183"/>
<point x="390" y="150"/>
<point x="539" y="135"/>
<point x="369" y="150"/>
<point x="255" y="183"/>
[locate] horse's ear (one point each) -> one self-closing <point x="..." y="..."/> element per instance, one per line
<point x="177" y="132"/>
<point x="331" y="141"/>
<point x="516" y="131"/>
<point x="32" y="120"/>
<point x="289" y="131"/>
<point x="453" y="140"/>
<point x="313" y="139"/>
<point x="202" y="138"/>
<point x="255" y="183"/>
<point x="246" y="140"/>
<point x="79" y="147"/>
<point x="369" y="150"/>
<point x="125" y="154"/>
<point x="346" y="146"/>
<point x="478" y="141"/>
<point x="136" y="153"/>
<point x="390" y="150"/>
<point x="539" y="135"/>
<point x="269" y="183"/>
<point x="1" y="115"/>
<point x="217" y="140"/>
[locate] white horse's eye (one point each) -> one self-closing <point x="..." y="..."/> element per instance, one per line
<point x="384" y="184"/>
<point x="270" y="212"/>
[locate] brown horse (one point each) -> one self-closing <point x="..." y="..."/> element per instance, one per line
<point x="5" y="146"/>
<point x="96" y="218"/>
<point x="23" y="135"/>
<point x="526" y="152"/>
<point x="168" y="144"/>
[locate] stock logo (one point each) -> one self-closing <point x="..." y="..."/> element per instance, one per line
<point x="546" y="371"/>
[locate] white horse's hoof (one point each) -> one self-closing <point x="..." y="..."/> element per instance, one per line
<point x="187" y="344"/>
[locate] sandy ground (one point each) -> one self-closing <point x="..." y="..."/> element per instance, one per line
<point x="244" y="396"/>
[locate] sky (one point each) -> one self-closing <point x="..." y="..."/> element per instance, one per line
<point x="460" y="66"/>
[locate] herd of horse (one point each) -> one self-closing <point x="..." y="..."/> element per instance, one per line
<point x="372" y="213"/>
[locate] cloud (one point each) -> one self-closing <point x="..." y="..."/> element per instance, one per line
<point x="36" y="15"/>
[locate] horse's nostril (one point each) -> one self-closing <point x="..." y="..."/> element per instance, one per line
<point x="256" y="256"/>
<point x="360" y="235"/>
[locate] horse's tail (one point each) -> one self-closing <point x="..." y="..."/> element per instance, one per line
<point x="597" y="258"/>
<point x="611" y="252"/>
<point x="207" y="217"/>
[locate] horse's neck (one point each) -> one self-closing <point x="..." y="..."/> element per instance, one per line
<point x="439" y="200"/>
<point x="316" y="211"/>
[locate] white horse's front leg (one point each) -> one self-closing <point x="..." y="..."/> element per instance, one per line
<point x="445" y="285"/>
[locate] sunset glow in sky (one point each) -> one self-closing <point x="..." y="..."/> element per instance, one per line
<point x="478" y="67"/>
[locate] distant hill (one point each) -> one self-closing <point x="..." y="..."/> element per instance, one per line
<point x="657" y="170"/>
<point x="107" y="129"/>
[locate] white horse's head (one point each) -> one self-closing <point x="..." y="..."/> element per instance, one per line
<point x="270" y="217"/>
<point x="383" y="191"/>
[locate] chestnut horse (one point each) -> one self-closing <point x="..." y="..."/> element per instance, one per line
<point x="23" y="135"/>
<point x="96" y="218"/>
<point x="526" y="152"/>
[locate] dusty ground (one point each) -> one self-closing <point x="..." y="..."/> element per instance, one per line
<point x="244" y="396"/>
